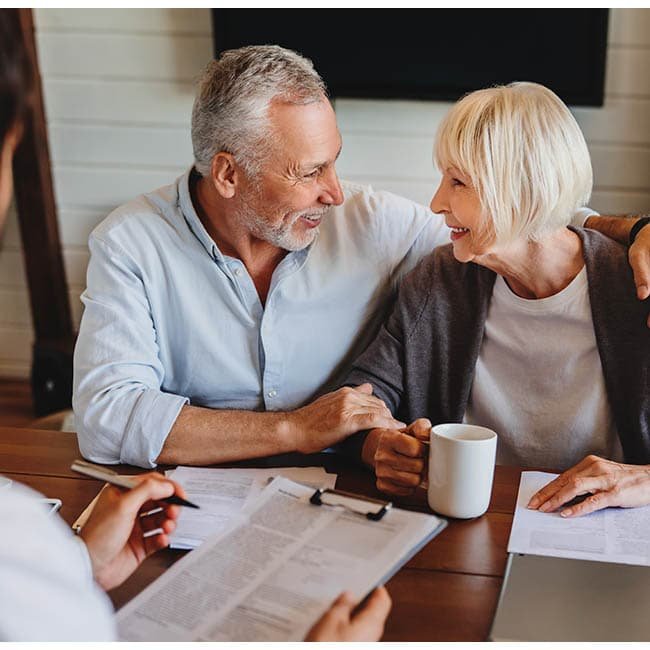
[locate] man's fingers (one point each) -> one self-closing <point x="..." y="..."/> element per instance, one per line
<point x="641" y="273"/>
<point x="367" y="401"/>
<point x="366" y="389"/>
<point x="363" y="398"/>
<point x="374" y="420"/>
<point x="639" y="256"/>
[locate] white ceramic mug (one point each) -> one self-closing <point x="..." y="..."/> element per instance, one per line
<point x="461" y="469"/>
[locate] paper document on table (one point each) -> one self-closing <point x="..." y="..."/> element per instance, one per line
<point x="222" y="493"/>
<point x="612" y="535"/>
<point x="273" y="573"/>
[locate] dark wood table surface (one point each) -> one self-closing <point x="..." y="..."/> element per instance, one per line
<point x="447" y="592"/>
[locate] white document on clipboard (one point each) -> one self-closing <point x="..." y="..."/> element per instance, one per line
<point x="275" y="571"/>
<point x="223" y="493"/>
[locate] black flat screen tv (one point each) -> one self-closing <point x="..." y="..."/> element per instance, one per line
<point x="433" y="53"/>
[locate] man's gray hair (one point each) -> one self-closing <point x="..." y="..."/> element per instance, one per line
<point x="233" y="96"/>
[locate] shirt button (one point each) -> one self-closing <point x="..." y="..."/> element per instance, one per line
<point x="272" y="393"/>
<point x="237" y="272"/>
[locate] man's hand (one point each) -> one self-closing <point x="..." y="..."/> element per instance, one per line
<point x="608" y="483"/>
<point x="345" y="623"/>
<point x="639" y="256"/>
<point x="335" y="416"/>
<point x="115" y="532"/>
<point x="399" y="457"/>
<point x="618" y="228"/>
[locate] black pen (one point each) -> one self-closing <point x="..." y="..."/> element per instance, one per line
<point x="109" y="476"/>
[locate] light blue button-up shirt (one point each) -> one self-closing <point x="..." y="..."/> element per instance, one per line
<point x="170" y="320"/>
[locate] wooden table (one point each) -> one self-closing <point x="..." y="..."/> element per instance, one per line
<point x="447" y="592"/>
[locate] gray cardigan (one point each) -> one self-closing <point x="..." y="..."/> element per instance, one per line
<point x="422" y="362"/>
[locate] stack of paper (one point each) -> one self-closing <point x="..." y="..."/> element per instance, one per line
<point x="223" y="493"/>
<point x="274" y="570"/>
<point x="610" y="535"/>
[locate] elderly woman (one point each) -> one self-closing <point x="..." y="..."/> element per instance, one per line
<point x="522" y="324"/>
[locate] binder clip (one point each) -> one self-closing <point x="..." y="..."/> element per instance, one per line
<point x="338" y="498"/>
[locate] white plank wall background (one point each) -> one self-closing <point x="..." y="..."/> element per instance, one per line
<point x="118" y="87"/>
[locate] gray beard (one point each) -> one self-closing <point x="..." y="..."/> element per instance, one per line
<point x="280" y="236"/>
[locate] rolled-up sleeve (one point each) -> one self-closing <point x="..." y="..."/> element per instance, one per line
<point x="121" y="413"/>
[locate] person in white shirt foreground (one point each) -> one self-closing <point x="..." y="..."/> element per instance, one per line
<point x="51" y="582"/>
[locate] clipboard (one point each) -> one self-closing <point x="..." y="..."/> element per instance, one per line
<point x="373" y="509"/>
<point x="297" y="557"/>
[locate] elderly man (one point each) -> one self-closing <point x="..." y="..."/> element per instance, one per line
<point x="51" y="579"/>
<point x="219" y="307"/>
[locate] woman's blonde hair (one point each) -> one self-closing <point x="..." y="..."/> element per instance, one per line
<point x="525" y="155"/>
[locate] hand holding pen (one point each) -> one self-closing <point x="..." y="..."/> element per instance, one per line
<point x="127" y="525"/>
<point x="127" y="482"/>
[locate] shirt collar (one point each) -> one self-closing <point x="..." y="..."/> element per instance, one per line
<point x="192" y="218"/>
<point x="198" y="229"/>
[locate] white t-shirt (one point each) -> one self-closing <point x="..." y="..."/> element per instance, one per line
<point x="539" y="380"/>
<point x="47" y="592"/>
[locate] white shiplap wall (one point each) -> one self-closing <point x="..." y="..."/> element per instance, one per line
<point x="118" y="88"/>
<point x="118" y="93"/>
<point x="389" y="144"/>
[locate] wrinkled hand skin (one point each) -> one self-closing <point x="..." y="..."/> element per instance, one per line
<point x="608" y="484"/>
<point x="399" y="457"/>
<point x="335" y="416"/>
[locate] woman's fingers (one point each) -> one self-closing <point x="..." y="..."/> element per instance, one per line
<point x="577" y="486"/>
<point x="399" y="461"/>
<point x="592" y="503"/>
<point x="384" y="485"/>
<point x="606" y="482"/>
<point x="589" y="466"/>
<point x="420" y="429"/>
